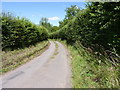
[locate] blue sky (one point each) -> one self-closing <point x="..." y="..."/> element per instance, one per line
<point x="34" y="11"/>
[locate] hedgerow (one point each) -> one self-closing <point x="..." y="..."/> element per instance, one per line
<point x="20" y="32"/>
<point x="97" y="25"/>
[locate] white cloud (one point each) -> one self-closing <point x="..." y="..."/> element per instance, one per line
<point x="53" y="18"/>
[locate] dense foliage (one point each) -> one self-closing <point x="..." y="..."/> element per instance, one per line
<point x="97" y="25"/>
<point x="19" y="33"/>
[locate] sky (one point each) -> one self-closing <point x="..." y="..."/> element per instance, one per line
<point x="34" y="11"/>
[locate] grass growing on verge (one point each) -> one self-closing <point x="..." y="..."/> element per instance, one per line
<point x="89" y="71"/>
<point x="12" y="59"/>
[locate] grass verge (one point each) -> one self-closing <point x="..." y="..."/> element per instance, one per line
<point x="13" y="59"/>
<point x="89" y="71"/>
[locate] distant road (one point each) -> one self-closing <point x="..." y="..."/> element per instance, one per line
<point x="50" y="70"/>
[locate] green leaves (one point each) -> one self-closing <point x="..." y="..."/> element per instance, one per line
<point x="97" y="24"/>
<point x="20" y="33"/>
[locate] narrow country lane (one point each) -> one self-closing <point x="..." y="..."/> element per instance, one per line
<point x="50" y="70"/>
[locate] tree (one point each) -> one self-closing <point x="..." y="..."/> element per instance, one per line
<point x="44" y="22"/>
<point x="71" y="12"/>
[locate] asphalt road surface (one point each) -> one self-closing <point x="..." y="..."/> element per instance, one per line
<point x="49" y="70"/>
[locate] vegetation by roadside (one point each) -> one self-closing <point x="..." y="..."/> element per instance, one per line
<point x="13" y="59"/>
<point x="91" y="71"/>
<point x="95" y="27"/>
<point x="20" y="32"/>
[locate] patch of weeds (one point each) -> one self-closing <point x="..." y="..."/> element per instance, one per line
<point x="89" y="71"/>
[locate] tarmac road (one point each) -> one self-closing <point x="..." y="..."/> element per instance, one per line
<point x="49" y="70"/>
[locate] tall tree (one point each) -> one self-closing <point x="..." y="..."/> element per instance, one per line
<point x="71" y="12"/>
<point x="44" y="22"/>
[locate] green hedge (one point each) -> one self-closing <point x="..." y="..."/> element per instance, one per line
<point x="20" y="32"/>
<point x="97" y="25"/>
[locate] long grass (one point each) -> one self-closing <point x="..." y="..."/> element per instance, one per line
<point x="13" y="59"/>
<point x="91" y="71"/>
